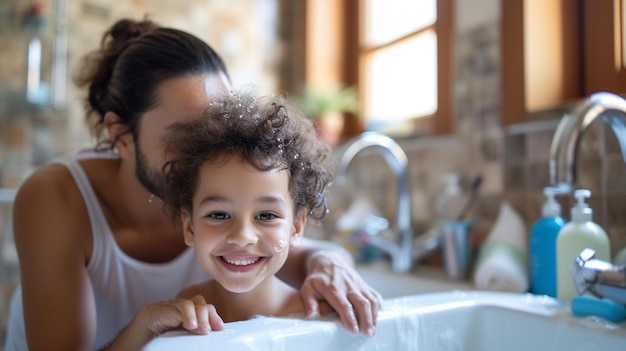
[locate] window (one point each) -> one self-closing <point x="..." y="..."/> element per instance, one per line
<point x="404" y="63"/>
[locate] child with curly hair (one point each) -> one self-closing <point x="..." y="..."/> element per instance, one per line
<point x="244" y="178"/>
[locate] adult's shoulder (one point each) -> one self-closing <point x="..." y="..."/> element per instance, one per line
<point x="50" y="219"/>
<point x="56" y="180"/>
<point x="52" y="182"/>
<point x="49" y="200"/>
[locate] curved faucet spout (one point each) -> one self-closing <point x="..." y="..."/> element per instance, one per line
<point x="397" y="161"/>
<point x="608" y="107"/>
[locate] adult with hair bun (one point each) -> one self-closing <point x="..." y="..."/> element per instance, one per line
<point x="98" y="254"/>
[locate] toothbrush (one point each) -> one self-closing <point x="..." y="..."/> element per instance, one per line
<point x="473" y="196"/>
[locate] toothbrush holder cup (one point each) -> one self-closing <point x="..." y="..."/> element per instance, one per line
<point x="456" y="247"/>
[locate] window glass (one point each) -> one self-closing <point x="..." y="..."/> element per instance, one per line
<point x="401" y="81"/>
<point x="388" y="20"/>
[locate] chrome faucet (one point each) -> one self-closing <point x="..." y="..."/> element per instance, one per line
<point x="600" y="278"/>
<point x="608" y="107"/>
<point x="590" y="274"/>
<point x="400" y="248"/>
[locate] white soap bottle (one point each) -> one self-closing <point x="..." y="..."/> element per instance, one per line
<point x="580" y="233"/>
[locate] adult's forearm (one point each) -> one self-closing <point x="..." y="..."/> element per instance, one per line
<point x="295" y="269"/>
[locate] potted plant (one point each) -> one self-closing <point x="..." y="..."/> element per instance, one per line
<point x="326" y="108"/>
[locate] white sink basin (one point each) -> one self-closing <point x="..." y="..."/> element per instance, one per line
<point x="392" y="284"/>
<point x="457" y="321"/>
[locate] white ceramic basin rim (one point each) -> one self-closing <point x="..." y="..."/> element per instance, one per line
<point x="458" y="320"/>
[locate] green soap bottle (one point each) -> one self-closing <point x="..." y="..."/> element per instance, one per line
<point x="580" y="233"/>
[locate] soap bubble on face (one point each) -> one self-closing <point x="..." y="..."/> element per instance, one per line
<point x="279" y="246"/>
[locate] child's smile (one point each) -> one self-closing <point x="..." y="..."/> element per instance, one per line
<point x="241" y="263"/>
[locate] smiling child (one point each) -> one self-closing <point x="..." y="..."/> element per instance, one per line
<point x="244" y="178"/>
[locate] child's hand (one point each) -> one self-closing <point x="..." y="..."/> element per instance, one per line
<point x="194" y="315"/>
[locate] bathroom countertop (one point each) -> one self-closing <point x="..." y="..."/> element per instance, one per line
<point x="422" y="279"/>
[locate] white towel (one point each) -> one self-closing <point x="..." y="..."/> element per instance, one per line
<point x="502" y="259"/>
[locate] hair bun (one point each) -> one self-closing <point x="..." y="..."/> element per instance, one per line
<point x="127" y="29"/>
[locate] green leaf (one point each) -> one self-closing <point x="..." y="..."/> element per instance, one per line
<point x="334" y="99"/>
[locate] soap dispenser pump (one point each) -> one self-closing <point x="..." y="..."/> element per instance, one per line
<point x="542" y="246"/>
<point x="580" y="233"/>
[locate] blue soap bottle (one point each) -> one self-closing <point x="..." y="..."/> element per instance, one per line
<point x="542" y="246"/>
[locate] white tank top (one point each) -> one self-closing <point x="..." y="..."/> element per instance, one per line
<point x="121" y="284"/>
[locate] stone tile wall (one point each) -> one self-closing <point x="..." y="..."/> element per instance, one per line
<point x="514" y="164"/>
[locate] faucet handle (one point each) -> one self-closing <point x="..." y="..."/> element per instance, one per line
<point x="594" y="275"/>
<point x="585" y="256"/>
<point x="584" y="270"/>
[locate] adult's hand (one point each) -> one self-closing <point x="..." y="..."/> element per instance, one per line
<point x="333" y="279"/>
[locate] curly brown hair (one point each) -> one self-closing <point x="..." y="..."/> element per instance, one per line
<point x="266" y="132"/>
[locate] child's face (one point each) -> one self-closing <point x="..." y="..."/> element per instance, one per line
<point x="242" y="224"/>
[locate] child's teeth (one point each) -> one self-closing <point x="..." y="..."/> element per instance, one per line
<point x="240" y="262"/>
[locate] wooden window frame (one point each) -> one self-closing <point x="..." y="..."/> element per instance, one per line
<point x="300" y="56"/>
<point x="440" y="122"/>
